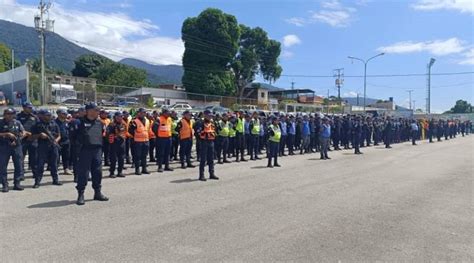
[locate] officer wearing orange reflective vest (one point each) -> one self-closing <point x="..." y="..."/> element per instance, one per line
<point x="139" y="128"/>
<point x="207" y="136"/>
<point x="162" y="130"/>
<point x="185" y="130"/>
<point x="127" y="118"/>
<point x="117" y="134"/>
<point x="103" y="117"/>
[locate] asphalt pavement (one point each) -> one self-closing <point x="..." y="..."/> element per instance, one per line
<point x="409" y="203"/>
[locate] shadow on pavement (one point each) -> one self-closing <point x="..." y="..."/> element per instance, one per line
<point x="184" y="181"/>
<point x="54" y="204"/>
<point x="259" y="167"/>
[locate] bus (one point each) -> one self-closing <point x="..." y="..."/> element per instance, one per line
<point x="62" y="92"/>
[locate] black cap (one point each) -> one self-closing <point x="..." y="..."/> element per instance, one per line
<point x="27" y="104"/>
<point x="207" y="112"/>
<point x="141" y="110"/>
<point x="61" y="111"/>
<point x="186" y="112"/>
<point x="9" y="111"/>
<point x="118" y="113"/>
<point x="44" y="112"/>
<point x="91" y="106"/>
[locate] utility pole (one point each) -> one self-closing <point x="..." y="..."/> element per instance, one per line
<point x="43" y="25"/>
<point x="339" y="75"/>
<point x="365" y="71"/>
<point x="328" y="102"/>
<point x="428" y="88"/>
<point x="409" y="97"/>
<point x="357" y="98"/>
<point x="414" y="107"/>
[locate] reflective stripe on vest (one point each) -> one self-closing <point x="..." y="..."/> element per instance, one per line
<point x="174" y="124"/>
<point x="186" y="130"/>
<point x="277" y="136"/>
<point x="208" y="133"/>
<point x="141" y="133"/>
<point x="164" y="129"/>
<point x="151" y="134"/>
<point x="105" y="123"/>
<point x="232" y="132"/>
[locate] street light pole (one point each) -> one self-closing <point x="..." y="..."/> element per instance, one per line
<point x="428" y="97"/>
<point x="365" y="72"/>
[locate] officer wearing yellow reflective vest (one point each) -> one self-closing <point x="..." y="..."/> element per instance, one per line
<point x="232" y="134"/>
<point x="240" y="137"/>
<point x="222" y="144"/>
<point x="274" y="137"/>
<point x="254" y="136"/>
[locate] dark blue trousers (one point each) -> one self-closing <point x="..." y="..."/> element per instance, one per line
<point x="207" y="156"/>
<point x="140" y="152"/>
<point x="15" y="152"/>
<point x="47" y="154"/>
<point x="164" y="148"/>
<point x="185" y="147"/>
<point x="117" y="156"/>
<point x="89" y="161"/>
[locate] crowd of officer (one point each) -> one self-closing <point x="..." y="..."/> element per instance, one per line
<point x="84" y="140"/>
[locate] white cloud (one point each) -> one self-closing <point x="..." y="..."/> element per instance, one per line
<point x="463" y="6"/>
<point x="291" y="40"/>
<point x="436" y="47"/>
<point x="115" y="35"/>
<point x="468" y="58"/>
<point x="332" y="12"/>
<point x="350" y="94"/>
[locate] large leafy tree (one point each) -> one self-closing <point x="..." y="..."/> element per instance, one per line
<point x="222" y="57"/>
<point x="461" y="106"/>
<point x="211" y="42"/>
<point x="257" y="55"/>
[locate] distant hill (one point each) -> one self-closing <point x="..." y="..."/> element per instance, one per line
<point x="353" y="100"/>
<point x="157" y="74"/>
<point x="60" y="53"/>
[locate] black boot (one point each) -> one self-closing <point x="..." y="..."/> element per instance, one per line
<point x="269" y="165"/>
<point x="18" y="187"/>
<point x="183" y="166"/>
<point x="213" y="177"/>
<point x="168" y="169"/>
<point x="80" y="198"/>
<point x="145" y="171"/>
<point x="5" y="188"/>
<point x="202" y="178"/>
<point x="120" y="174"/>
<point x="137" y="171"/>
<point x="99" y="196"/>
<point x="191" y="166"/>
<point x="112" y="175"/>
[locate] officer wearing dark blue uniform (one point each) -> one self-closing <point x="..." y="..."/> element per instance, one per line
<point x="46" y="131"/>
<point x="11" y="132"/>
<point x="28" y="119"/>
<point x="387" y="132"/>
<point x="357" y="135"/>
<point x="89" y="134"/>
<point x="73" y="127"/>
<point x="65" y="143"/>
<point x="117" y="134"/>
<point x="207" y="134"/>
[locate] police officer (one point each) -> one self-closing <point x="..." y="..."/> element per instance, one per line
<point x="387" y="132"/>
<point x="207" y="134"/>
<point x="152" y="137"/>
<point x="222" y="143"/>
<point x="65" y="143"/>
<point x="104" y="118"/>
<point x="240" y="137"/>
<point x="357" y="134"/>
<point x="232" y="134"/>
<point x="414" y="131"/>
<point x="139" y="128"/>
<point x="274" y="137"/>
<point x="29" y="146"/>
<point x="174" y="137"/>
<point x="254" y="136"/>
<point x="47" y="132"/>
<point x="11" y="133"/>
<point x="90" y="133"/>
<point x="73" y="127"/>
<point x="185" y="130"/>
<point x="162" y="129"/>
<point x="117" y="134"/>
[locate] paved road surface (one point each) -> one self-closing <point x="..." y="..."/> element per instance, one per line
<point x="405" y="204"/>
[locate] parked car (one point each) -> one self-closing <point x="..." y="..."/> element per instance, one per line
<point x="72" y="102"/>
<point x="217" y="109"/>
<point x="181" y="107"/>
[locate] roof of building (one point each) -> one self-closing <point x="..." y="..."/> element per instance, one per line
<point x="291" y="91"/>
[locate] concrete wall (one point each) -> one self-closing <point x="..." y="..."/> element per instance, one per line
<point x="19" y="77"/>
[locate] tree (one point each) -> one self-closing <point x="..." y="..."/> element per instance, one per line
<point x="6" y="58"/>
<point x="461" y="106"/>
<point x="257" y="54"/>
<point x="222" y="57"/>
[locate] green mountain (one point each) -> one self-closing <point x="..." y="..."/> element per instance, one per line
<point x="60" y="53"/>
<point x="157" y="74"/>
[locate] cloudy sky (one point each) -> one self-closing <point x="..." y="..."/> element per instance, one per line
<point x="316" y="36"/>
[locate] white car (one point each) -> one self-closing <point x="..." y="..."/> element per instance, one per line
<point x="181" y="107"/>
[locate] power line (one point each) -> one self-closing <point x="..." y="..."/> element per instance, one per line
<point x="381" y="76"/>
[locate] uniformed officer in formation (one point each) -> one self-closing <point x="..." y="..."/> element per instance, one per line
<point x="46" y="131"/>
<point x="64" y="142"/>
<point x="274" y="137"/>
<point x="207" y="134"/>
<point x="139" y="130"/>
<point x="29" y="146"/>
<point x="11" y="134"/>
<point x="222" y="142"/>
<point x="89" y="135"/>
<point x="185" y="130"/>
<point x="117" y="134"/>
<point x="162" y="129"/>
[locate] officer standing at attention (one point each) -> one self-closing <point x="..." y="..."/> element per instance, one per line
<point x="222" y="139"/>
<point x="387" y="133"/>
<point x="139" y="128"/>
<point x="357" y="135"/>
<point x="28" y="120"/>
<point x="89" y="136"/>
<point x="414" y="131"/>
<point x="65" y="143"/>
<point x="274" y="138"/>
<point x="254" y="136"/>
<point x="240" y="137"/>
<point x="46" y="131"/>
<point x="151" y="135"/>
<point x="11" y="133"/>
<point x="207" y="134"/>
<point x="174" y="137"/>
<point x="104" y="118"/>
<point x="325" y="135"/>
<point x="185" y="130"/>
<point x="117" y="134"/>
<point x="73" y="126"/>
<point x="162" y="129"/>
